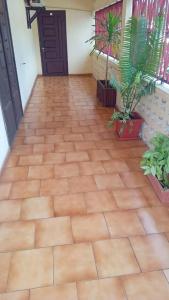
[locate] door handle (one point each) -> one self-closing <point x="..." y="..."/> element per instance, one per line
<point x="43" y="49"/>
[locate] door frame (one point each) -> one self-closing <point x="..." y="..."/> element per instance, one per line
<point x="40" y="36"/>
<point x="9" y="41"/>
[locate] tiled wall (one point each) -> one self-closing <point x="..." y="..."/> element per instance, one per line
<point x="154" y="109"/>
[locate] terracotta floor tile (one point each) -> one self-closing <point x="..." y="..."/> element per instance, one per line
<point x="25" y="189"/>
<point x="99" y="202"/>
<point x="130" y="198"/>
<point x="12" y="161"/>
<point x="31" y="269"/>
<point x="37" y="208"/>
<point x="5" y="190"/>
<point x="43" y="148"/>
<point x="89" y="228"/>
<point x="22" y="150"/>
<point x="80" y="129"/>
<point x="107" y="144"/>
<point x="10" y="210"/>
<point x="34" y="140"/>
<point x="151" y="197"/>
<point x="68" y="205"/>
<point x="4" y="270"/>
<point x="77" y="156"/>
<point x="67" y="170"/>
<point x="54" y="158"/>
<point x="44" y="131"/>
<point x="82" y="146"/>
<point x="53" y="139"/>
<point x="21" y="295"/>
<point x="52" y="187"/>
<point x="99" y="155"/>
<point x="109" y="182"/>
<point x="61" y="292"/>
<point x="133" y="164"/>
<point x="53" y="231"/>
<point x="41" y="172"/>
<point x="120" y="153"/>
<point x="151" y="251"/>
<point x="107" y="135"/>
<point x="115" y="166"/>
<point x="14" y="174"/>
<point x="30" y="160"/>
<point x="92" y="137"/>
<point x="64" y="147"/>
<point x="81" y="184"/>
<point x="74" y="137"/>
<point x="166" y="272"/>
<point x="104" y="289"/>
<point x="91" y="168"/>
<point x="16" y="236"/>
<point x="124" y="224"/>
<point x="74" y="263"/>
<point x="147" y="286"/>
<point x="114" y="258"/>
<point x="63" y="130"/>
<point x="155" y="219"/>
<point x="134" y="179"/>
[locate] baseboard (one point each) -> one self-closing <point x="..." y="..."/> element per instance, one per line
<point x="83" y="75"/>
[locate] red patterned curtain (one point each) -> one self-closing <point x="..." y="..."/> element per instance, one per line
<point x="100" y="16"/>
<point x="150" y="9"/>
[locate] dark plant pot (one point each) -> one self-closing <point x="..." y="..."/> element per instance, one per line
<point x="107" y="96"/>
<point x="129" y="130"/>
<point x="162" y="194"/>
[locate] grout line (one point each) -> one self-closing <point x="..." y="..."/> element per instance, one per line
<point x="53" y="256"/>
<point x="97" y="271"/>
<point x="134" y="254"/>
<point x="107" y="225"/>
<point x="123" y="287"/>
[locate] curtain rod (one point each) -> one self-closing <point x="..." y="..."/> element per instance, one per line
<point x="68" y="8"/>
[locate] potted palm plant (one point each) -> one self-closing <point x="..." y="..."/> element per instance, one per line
<point x="139" y="64"/>
<point x="108" y="39"/>
<point x="155" y="164"/>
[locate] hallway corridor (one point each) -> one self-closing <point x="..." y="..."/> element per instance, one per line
<point x="78" y="219"/>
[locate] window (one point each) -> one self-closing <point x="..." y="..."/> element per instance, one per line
<point x="101" y="15"/>
<point x="150" y="9"/>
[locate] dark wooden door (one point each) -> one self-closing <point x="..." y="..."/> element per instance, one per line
<point x="9" y="88"/>
<point x="53" y="42"/>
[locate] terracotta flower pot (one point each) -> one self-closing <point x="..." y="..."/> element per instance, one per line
<point x="162" y="194"/>
<point x="129" y="130"/>
<point x="107" y="96"/>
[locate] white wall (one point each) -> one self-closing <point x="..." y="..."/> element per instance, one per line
<point x="24" y="48"/>
<point x="102" y="3"/>
<point x="4" y="147"/>
<point x="79" y="29"/>
<point x="75" y="4"/>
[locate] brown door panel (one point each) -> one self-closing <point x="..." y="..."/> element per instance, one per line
<point x="9" y="88"/>
<point x="53" y="42"/>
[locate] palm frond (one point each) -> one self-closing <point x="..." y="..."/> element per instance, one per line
<point x="155" y="47"/>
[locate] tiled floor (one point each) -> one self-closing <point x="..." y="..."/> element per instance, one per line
<point x="78" y="220"/>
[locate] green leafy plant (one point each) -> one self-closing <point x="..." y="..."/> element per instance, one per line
<point x="108" y="38"/>
<point x="139" y="63"/>
<point x="156" y="160"/>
